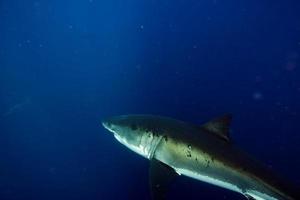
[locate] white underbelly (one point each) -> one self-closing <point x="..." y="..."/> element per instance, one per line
<point x="227" y="185"/>
<point x="208" y="179"/>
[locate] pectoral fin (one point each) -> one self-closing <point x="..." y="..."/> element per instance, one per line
<point x="161" y="175"/>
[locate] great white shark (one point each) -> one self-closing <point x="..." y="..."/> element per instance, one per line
<point x="205" y="153"/>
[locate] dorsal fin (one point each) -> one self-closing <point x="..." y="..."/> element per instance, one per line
<point x="219" y="126"/>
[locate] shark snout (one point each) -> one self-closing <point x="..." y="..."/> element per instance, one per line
<point x="106" y="124"/>
<point x="114" y="124"/>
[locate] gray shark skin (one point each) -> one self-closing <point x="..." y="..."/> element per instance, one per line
<point x="202" y="152"/>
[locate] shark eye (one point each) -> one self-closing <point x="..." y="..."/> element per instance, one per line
<point x="133" y="126"/>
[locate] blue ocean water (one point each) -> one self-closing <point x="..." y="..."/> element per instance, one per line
<point x="66" y="65"/>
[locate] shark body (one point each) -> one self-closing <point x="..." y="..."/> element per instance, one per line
<point x="205" y="153"/>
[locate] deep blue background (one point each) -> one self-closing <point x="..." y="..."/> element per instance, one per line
<point x="65" y="65"/>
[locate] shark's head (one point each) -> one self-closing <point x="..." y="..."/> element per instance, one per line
<point x="134" y="132"/>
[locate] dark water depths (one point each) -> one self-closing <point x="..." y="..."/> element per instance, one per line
<point x="65" y="65"/>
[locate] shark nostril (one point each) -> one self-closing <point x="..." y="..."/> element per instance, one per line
<point x="107" y="125"/>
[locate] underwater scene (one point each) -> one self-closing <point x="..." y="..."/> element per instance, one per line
<point x="148" y="99"/>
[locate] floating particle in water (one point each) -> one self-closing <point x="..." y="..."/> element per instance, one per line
<point x="285" y="108"/>
<point x="258" y="79"/>
<point x="84" y="169"/>
<point x="138" y="67"/>
<point x="36" y="4"/>
<point x="292" y="61"/>
<point x="257" y="96"/>
<point x="52" y="170"/>
<point x="17" y="107"/>
<point x="290" y="66"/>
